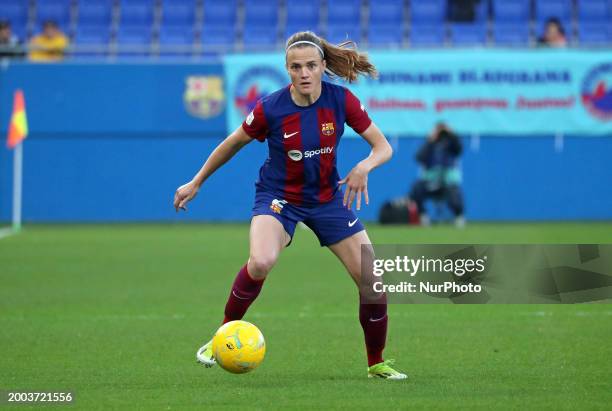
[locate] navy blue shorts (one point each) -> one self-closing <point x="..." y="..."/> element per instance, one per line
<point x="331" y="221"/>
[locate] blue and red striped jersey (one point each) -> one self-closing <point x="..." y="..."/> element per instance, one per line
<point x="303" y="141"/>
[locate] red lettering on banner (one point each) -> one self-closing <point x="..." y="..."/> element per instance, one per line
<point x="545" y="103"/>
<point x="471" y="104"/>
<point x="394" y="104"/>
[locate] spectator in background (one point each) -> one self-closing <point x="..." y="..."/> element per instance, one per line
<point x="9" y="44"/>
<point x="554" y="34"/>
<point x="462" y="11"/>
<point x="50" y="45"/>
<point x="440" y="176"/>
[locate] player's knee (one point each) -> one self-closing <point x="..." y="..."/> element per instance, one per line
<point x="261" y="264"/>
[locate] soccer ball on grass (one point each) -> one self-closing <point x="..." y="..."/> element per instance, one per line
<point x="238" y="347"/>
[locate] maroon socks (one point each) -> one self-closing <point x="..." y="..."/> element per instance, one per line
<point x="373" y="319"/>
<point x="244" y="291"/>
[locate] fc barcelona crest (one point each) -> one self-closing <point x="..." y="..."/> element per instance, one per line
<point x="204" y="96"/>
<point x="327" y="129"/>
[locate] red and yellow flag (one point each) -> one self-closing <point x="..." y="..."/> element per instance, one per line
<point x="18" y="129"/>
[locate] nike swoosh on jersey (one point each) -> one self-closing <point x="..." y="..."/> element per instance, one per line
<point x="352" y="223"/>
<point x="289" y="135"/>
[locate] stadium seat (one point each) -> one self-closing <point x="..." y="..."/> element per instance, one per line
<point x="427" y="35"/>
<point x="136" y="12"/>
<point x="261" y="13"/>
<point x="259" y="38"/>
<point x="511" y="34"/>
<point x="428" y="12"/>
<point x="134" y="40"/>
<point x="179" y="13"/>
<point x="339" y="34"/>
<point x="176" y="40"/>
<point x="594" y="11"/>
<point x="343" y="13"/>
<point x="292" y="29"/>
<point x="53" y="10"/>
<point x="220" y="14"/>
<point x="302" y="16"/>
<point x="560" y="9"/>
<point x="595" y="34"/>
<point x="515" y="11"/>
<point x="95" y="13"/>
<point x="459" y="12"/>
<point x="91" y="41"/>
<point x="16" y="12"/>
<point x="386" y="12"/>
<point x="384" y="36"/>
<point x="218" y="38"/>
<point x="474" y="34"/>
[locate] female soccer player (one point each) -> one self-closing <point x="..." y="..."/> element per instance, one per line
<point x="299" y="182"/>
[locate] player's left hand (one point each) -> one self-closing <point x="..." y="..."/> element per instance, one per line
<point x="356" y="183"/>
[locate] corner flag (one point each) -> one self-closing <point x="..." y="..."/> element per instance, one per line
<point x="18" y="129"/>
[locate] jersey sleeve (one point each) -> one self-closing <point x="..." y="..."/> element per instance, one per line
<point x="255" y="125"/>
<point x="356" y="116"/>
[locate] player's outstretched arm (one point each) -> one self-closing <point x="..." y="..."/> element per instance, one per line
<point x="220" y="155"/>
<point x="357" y="180"/>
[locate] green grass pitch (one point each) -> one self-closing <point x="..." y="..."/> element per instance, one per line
<point x="116" y="313"/>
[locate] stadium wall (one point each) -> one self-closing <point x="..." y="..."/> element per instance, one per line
<point x="111" y="142"/>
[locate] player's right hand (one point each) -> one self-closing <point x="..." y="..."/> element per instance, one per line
<point x="184" y="194"/>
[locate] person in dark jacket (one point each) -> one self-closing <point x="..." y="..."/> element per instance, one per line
<point x="440" y="175"/>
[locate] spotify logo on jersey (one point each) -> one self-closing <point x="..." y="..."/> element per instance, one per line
<point x="296" y="155"/>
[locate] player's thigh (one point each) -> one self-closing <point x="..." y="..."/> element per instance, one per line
<point x="267" y="237"/>
<point x="350" y="252"/>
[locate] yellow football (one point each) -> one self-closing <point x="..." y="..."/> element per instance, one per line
<point x="238" y="347"/>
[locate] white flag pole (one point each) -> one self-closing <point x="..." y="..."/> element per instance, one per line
<point x="17" y="184"/>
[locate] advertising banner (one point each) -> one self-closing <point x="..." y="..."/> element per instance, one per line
<point x="501" y="92"/>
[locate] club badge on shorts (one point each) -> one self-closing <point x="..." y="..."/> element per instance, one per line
<point x="277" y="205"/>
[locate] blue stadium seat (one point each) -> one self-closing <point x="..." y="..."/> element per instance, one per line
<point x="511" y="34"/>
<point x="292" y="29"/>
<point x="458" y="14"/>
<point x="594" y="11"/>
<point x="218" y="38"/>
<point x="303" y="15"/>
<point x="16" y="12"/>
<point x="256" y="37"/>
<point x="427" y="35"/>
<point x="515" y="11"/>
<point x="595" y="34"/>
<point x="176" y="40"/>
<point x="386" y="12"/>
<point x="95" y="13"/>
<point x="561" y="9"/>
<point x="136" y="12"/>
<point x="91" y="41"/>
<point x="483" y="11"/>
<point x="385" y="36"/>
<point x="134" y="40"/>
<point x="261" y="13"/>
<point x="427" y="12"/>
<point x="474" y="34"/>
<point x="54" y="10"/>
<point x="339" y="34"/>
<point x="343" y="13"/>
<point x="220" y="14"/>
<point x="179" y="13"/>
